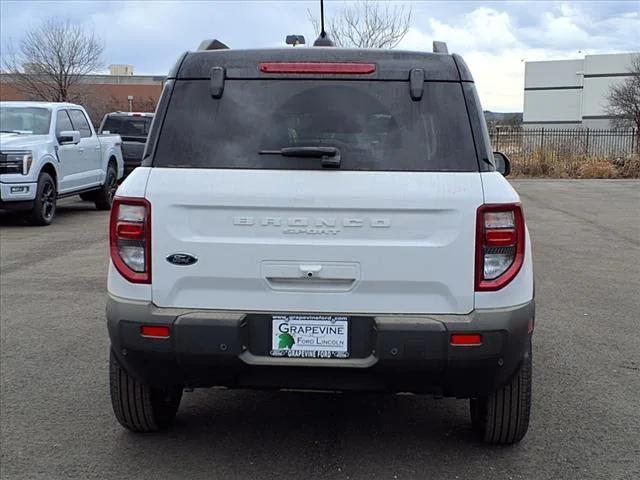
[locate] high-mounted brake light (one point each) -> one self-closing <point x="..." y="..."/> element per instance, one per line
<point x="318" y="67"/>
<point x="130" y="238"/>
<point x="500" y="237"/>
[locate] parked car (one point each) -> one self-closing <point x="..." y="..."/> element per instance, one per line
<point x="321" y="218"/>
<point x="49" y="151"/>
<point x="133" y="128"/>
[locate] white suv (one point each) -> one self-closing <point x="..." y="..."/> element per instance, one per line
<point x="321" y="218"/>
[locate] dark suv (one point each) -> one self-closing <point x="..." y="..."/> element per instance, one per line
<point x="133" y="128"/>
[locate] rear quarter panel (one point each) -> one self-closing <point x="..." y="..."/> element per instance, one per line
<point x="520" y="290"/>
<point x="133" y="186"/>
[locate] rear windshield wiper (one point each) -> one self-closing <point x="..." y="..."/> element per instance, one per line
<point x="330" y="155"/>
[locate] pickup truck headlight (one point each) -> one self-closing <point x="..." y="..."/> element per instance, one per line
<point x="15" y="162"/>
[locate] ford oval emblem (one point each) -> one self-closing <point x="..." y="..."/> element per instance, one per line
<point x="181" y="259"/>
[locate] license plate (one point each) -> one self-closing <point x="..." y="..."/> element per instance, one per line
<point x="309" y="336"/>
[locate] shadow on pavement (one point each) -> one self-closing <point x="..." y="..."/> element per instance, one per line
<point x="238" y="433"/>
<point x="66" y="209"/>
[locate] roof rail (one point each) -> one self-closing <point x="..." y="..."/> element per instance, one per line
<point x="212" y="44"/>
<point x="440" y="47"/>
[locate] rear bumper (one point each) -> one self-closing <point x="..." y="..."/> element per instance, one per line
<point x="396" y="353"/>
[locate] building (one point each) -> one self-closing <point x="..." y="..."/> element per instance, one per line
<point x="99" y="94"/>
<point x="572" y="93"/>
<point x="121" y="69"/>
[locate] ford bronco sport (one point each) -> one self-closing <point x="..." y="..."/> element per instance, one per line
<point x="321" y="218"/>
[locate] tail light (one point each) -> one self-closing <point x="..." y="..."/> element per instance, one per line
<point x="130" y="238"/>
<point x="499" y="245"/>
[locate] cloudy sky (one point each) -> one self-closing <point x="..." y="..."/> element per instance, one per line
<point x="495" y="38"/>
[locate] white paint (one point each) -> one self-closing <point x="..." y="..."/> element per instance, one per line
<point x="520" y="290"/>
<point x="594" y="95"/>
<point x="552" y="105"/>
<point x="421" y="261"/>
<point x="554" y="73"/>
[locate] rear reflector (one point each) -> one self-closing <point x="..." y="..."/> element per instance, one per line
<point x="153" y="331"/>
<point x="316" y="67"/>
<point x="466" y="339"/>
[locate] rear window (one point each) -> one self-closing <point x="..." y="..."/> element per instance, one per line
<point x="375" y="125"/>
<point x="127" y="126"/>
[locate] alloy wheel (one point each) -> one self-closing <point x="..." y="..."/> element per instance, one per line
<point x="111" y="186"/>
<point x="48" y="200"/>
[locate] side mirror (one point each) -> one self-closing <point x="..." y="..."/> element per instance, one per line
<point x="503" y="164"/>
<point x="69" y="137"/>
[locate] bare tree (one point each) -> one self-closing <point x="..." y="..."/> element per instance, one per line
<point x="52" y="59"/>
<point x="97" y="105"/>
<point x="624" y="98"/>
<point x="367" y="24"/>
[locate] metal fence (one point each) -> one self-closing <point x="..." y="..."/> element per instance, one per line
<point x="565" y="144"/>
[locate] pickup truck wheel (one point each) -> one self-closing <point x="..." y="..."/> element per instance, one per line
<point x="44" y="206"/>
<point x="104" y="196"/>
<point x="502" y="418"/>
<point x="137" y="406"/>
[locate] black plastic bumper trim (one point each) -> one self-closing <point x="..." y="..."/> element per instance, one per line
<point x="404" y="352"/>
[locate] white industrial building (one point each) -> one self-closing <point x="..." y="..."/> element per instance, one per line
<point x="572" y="93"/>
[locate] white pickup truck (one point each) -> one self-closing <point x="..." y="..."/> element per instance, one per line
<point x="49" y="151"/>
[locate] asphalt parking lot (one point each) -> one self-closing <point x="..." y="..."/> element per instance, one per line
<point x="56" y="419"/>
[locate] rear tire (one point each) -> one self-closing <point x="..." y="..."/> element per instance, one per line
<point x="139" y="407"/>
<point x="44" y="205"/>
<point x="502" y="418"/>
<point x="104" y="196"/>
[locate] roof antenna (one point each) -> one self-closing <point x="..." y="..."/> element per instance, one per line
<point x="323" y="40"/>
